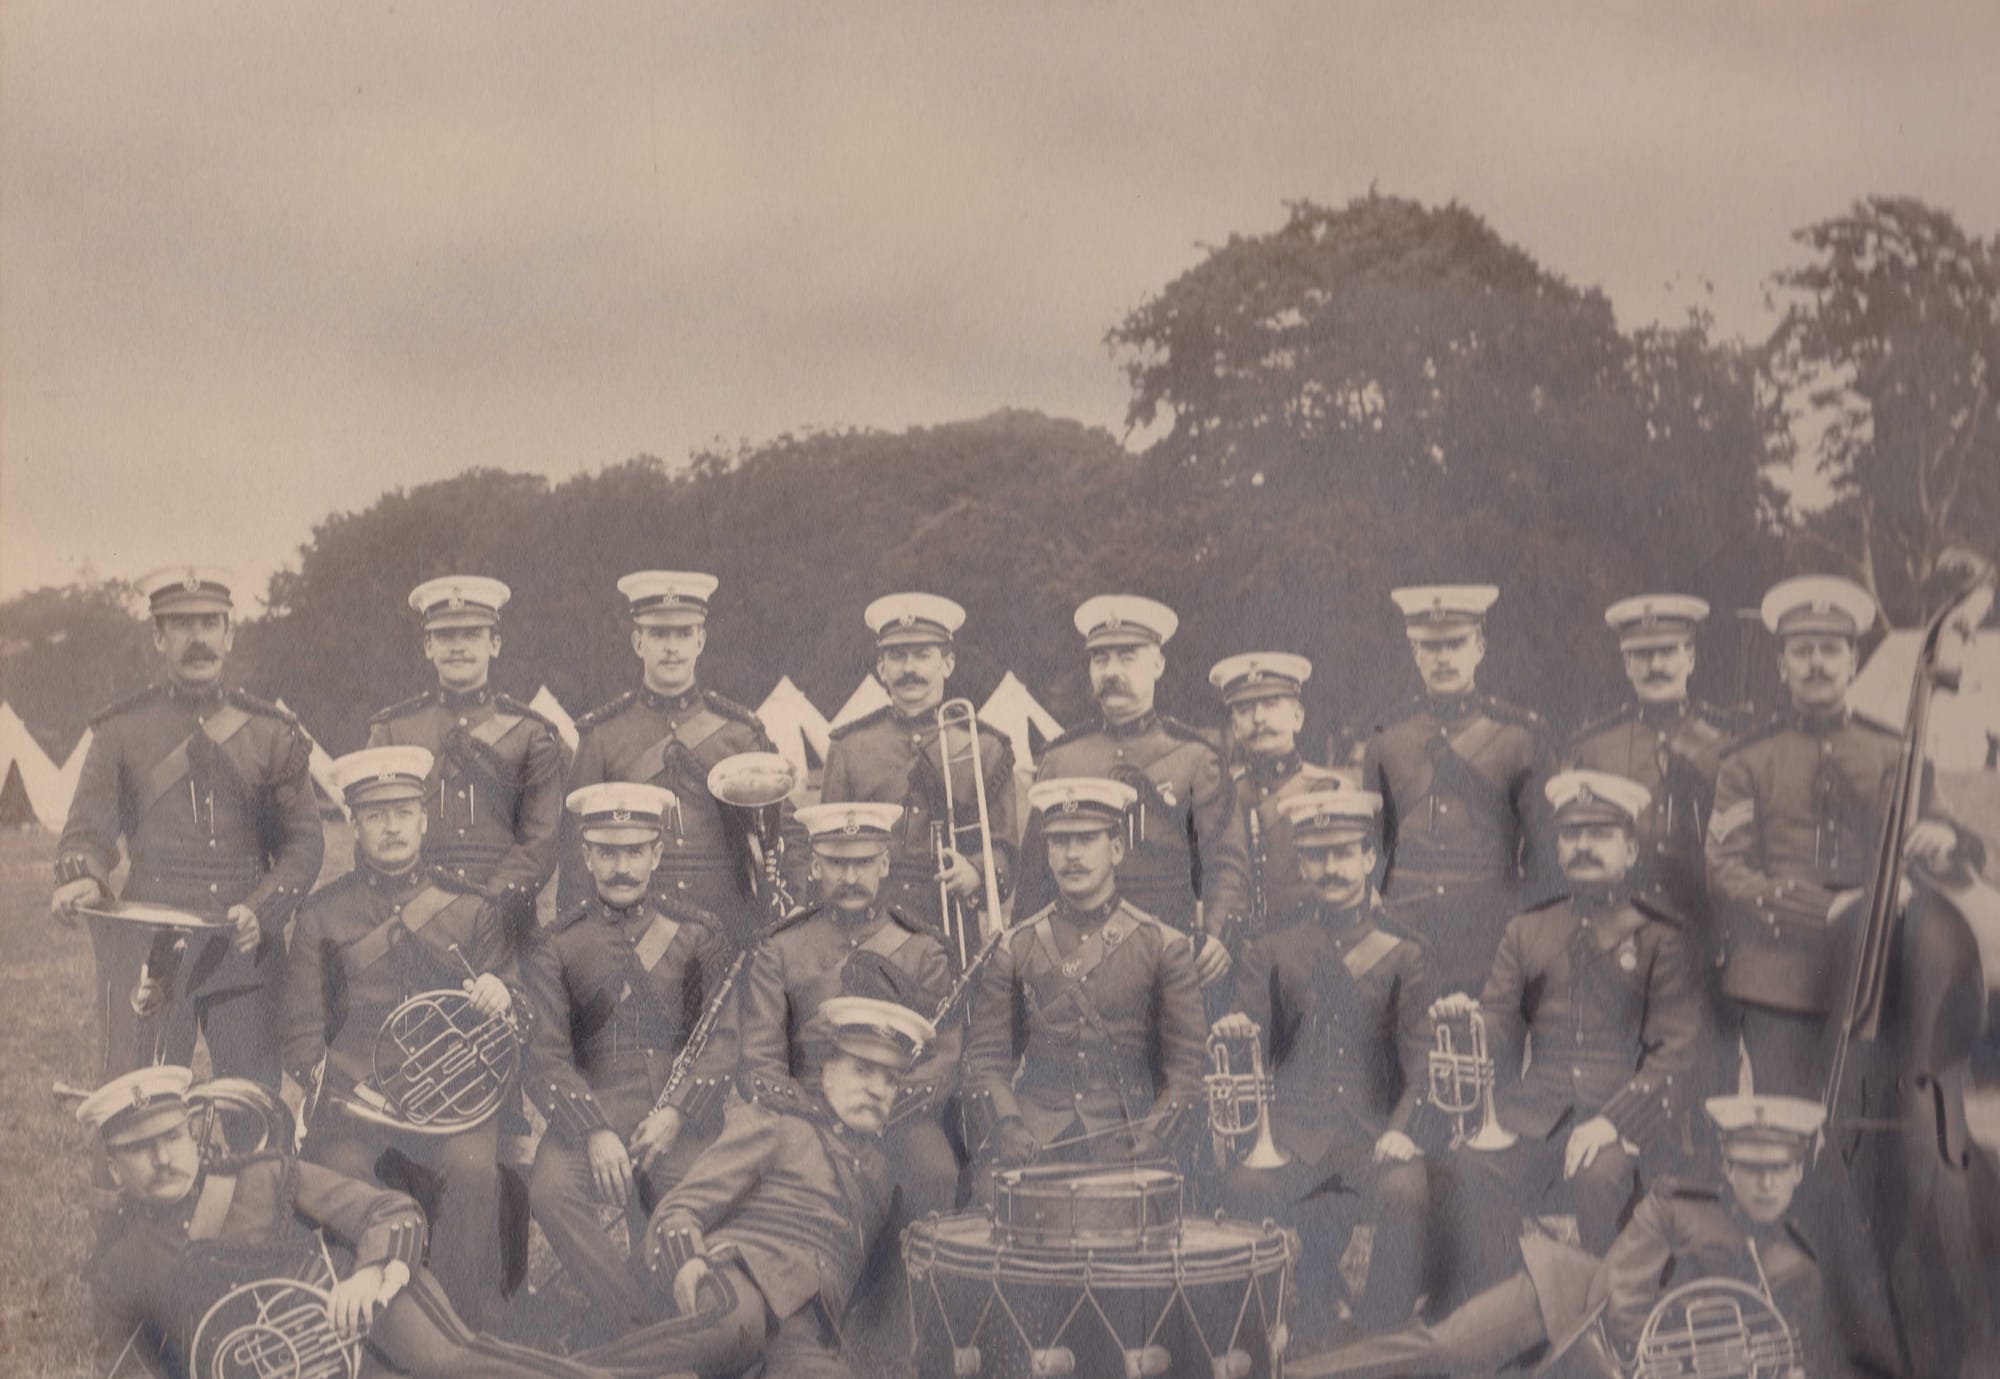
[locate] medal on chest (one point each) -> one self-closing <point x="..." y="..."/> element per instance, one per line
<point x="1628" y="955"/>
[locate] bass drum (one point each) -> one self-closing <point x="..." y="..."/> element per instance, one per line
<point x="1210" y="1303"/>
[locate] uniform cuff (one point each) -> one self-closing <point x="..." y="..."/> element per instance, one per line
<point x="1639" y="1112"/>
<point x="74" y="867"/>
<point x="575" y="1113"/>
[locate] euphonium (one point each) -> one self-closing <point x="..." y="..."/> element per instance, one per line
<point x="1462" y="1081"/>
<point x="1239" y="1103"/>
<point x="951" y="835"/>
<point x="1718" y="1328"/>
<point x="276" y="1328"/>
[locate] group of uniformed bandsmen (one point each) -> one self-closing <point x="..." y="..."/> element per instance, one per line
<point x="1642" y="923"/>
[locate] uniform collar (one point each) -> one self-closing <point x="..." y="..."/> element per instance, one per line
<point x="1598" y="902"/>
<point x="670" y="703"/>
<point x="1275" y="770"/>
<point x="1091" y="918"/>
<point x="874" y="915"/>
<point x="1348" y="923"/>
<point x="1450" y="708"/>
<point x="399" y="884"/>
<point x="203" y="700"/>
<point x="923" y="720"/>
<point x="1819" y="724"/>
<point x="465" y="699"/>
<point x="1138" y="727"/>
<point x="622" y="918"/>
<point x="1663" y="715"/>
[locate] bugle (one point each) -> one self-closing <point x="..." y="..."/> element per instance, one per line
<point x="1239" y="1103"/>
<point x="951" y="835"/>
<point x="1462" y="1081"/>
<point x="756" y="786"/>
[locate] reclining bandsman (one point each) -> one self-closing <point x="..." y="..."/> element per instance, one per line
<point x="1339" y="1001"/>
<point x="388" y="930"/>
<point x="1597" y="984"/>
<point x="185" y="1234"/>
<point x="765" y="1240"/>
<point x="1087" y="1030"/>
<point x="618" y="986"/>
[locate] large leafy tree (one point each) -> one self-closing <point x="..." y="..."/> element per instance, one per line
<point x="1885" y="366"/>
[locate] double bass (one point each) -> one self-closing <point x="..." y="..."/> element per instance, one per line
<point x="1925" y="963"/>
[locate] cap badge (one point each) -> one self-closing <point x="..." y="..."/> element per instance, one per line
<point x="907" y="620"/>
<point x="852" y="826"/>
<point x="140" y="1097"/>
<point x="455" y="602"/>
<point x="385" y="777"/>
<point x="621" y="816"/>
<point x="1648" y="618"/>
<point x="1113" y="622"/>
<point x="1069" y="805"/>
<point x="1584" y="795"/>
<point x="1323" y="821"/>
<point x="1256" y="674"/>
<point x="1822" y="605"/>
<point x="1437" y="604"/>
<point x="192" y="583"/>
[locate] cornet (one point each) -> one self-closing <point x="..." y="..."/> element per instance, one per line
<point x="1239" y="1103"/>
<point x="1461" y="1082"/>
<point x="950" y="835"/>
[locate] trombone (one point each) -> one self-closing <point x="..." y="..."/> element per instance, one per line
<point x="1462" y="1081"/>
<point x="1239" y="1103"/>
<point x="756" y="785"/>
<point x="949" y="835"/>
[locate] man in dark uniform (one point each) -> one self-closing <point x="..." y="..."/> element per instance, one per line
<point x="363" y="945"/>
<point x="186" y="1233"/>
<point x="618" y="985"/>
<point x="893" y="756"/>
<point x="1339" y="1002"/>
<point x="1798" y="818"/>
<point x="1457" y="771"/>
<point x="1738" y="1230"/>
<point x="802" y="966"/>
<point x="767" y="1237"/>
<point x="1261" y="692"/>
<point x="209" y="789"/>
<point x="1668" y="742"/>
<point x="495" y="797"/>
<point x="670" y="732"/>
<point x="1598" y="985"/>
<point x="1188" y="865"/>
<point x="1087" y="1036"/>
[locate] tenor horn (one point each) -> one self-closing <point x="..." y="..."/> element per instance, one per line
<point x="952" y="834"/>
<point x="1462" y="1081"/>
<point x="440" y="1066"/>
<point x="756" y="785"/>
<point x="1240" y="1104"/>
<point x="275" y="1328"/>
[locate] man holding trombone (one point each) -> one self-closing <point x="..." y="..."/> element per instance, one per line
<point x="1332" y="1001"/>
<point x="952" y="856"/>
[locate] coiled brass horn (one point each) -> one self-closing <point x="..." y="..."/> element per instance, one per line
<point x="1240" y="1103"/>
<point x="275" y="1328"/>
<point x="1462" y="1077"/>
<point x="440" y="1065"/>
<point x="1717" y="1328"/>
<point x="233" y="1116"/>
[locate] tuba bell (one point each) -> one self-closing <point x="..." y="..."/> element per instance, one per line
<point x="755" y="786"/>
<point x="1240" y="1104"/>
<point x="1462" y="1081"/>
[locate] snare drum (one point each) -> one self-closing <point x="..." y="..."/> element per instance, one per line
<point x="1072" y="1207"/>
<point x="1208" y="1303"/>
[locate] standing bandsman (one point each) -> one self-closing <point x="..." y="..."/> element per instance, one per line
<point x="1593" y="995"/>
<point x="894" y="756"/>
<point x="669" y="732"/>
<point x="1798" y="817"/>
<point x="1087" y="1032"/>
<point x="364" y="944"/>
<point x="618" y="986"/>
<point x="209" y="790"/>
<point x="1668" y="742"/>
<point x="496" y="791"/>
<point x="1338" y="1000"/>
<point x="826" y="953"/>
<point x="1457" y="772"/>
<point x="1261" y="692"/>
<point x="1188" y="865"/>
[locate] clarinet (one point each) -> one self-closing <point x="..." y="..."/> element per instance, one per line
<point x="1260" y="905"/>
<point x="704" y="1028"/>
<point x="915" y="1099"/>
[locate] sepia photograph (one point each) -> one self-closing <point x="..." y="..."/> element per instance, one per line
<point x="1034" y="691"/>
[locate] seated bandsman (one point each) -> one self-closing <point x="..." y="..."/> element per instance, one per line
<point x="365" y="943"/>
<point x="765" y="1240"/>
<point x="670" y="732"/>
<point x="618" y="985"/>
<point x="496" y="788"/>
<point x="1737" y="1228"/>
<point x="1261" y="691"/>
<point x="1458" y="772"/>
<point x="1596" y="985"/>
<point x="893" y="756"/>
<point x="1338" y="1000"/>
<point x="1087" y="1036"/>
<point x="798" y="969"/>
<point x="186" y="1233"/>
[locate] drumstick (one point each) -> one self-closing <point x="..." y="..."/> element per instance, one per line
<point x="470" y="970"/>
<point x="1143" y="1123"/>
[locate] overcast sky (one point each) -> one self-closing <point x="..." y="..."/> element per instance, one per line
<point x="259" y="262"/>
